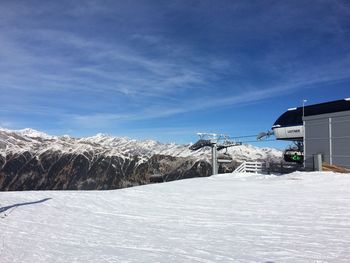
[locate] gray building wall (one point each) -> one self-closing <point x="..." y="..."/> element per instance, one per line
<point x="328" y="134"/>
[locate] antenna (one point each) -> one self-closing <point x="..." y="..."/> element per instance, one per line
<point x="304" y="101"/>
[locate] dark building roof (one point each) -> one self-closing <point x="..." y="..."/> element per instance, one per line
<point x="293" y="117"/>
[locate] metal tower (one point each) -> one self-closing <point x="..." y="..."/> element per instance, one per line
<point x="217" y="142"/>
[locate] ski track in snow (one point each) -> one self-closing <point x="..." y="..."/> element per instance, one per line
<point x="301" y="217"/>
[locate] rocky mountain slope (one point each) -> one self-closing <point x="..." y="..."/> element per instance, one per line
<point x="32" y="160"/>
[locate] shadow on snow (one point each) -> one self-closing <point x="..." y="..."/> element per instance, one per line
<point x="3" y="209"/>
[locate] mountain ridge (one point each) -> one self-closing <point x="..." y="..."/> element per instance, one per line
<point x="30" y="159"/>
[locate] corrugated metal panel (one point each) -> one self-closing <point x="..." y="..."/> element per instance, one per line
<point x="328" y="134"/>
<point x="341" y="127"/>
<point x="342" y="161"/>
<point x="316" y="140"/>
<point x="341" y="140"/>
<point x="341" y="146"/>
<point x="316" y="129"/>
<point x="317" y="146"/>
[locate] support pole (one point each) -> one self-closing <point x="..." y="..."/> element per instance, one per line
<point x="318" y="162"/>
<point x="217" y="142"/>
<point x="214" y="158"/>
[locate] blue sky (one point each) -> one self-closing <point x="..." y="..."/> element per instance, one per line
<point x="168" y="69"/>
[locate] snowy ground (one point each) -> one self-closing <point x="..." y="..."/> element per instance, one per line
<point x="301" y="217"/>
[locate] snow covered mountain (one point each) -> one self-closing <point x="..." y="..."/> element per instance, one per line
<point x="32" y="140"/>
<point x="30" y="159"/>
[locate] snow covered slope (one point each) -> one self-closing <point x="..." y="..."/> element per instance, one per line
<point x="301" y="217"/>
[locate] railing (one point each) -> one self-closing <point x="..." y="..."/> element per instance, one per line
<point x="240" y="168"/>
<point x="250" y="167"/>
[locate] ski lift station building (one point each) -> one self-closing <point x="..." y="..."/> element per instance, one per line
<point x="323" y="128"/>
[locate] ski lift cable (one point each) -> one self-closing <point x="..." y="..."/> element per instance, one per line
<point x="228" y="138"/>
<point x="259" y="141"/>
<point x="244" y="136"/>
<point x="247" y="136"/>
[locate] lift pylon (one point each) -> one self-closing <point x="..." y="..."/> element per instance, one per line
<point x="217" y="142"/>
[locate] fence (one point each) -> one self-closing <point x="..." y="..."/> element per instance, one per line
<point x="251" y="167"/>
<point x="268" y="167"/>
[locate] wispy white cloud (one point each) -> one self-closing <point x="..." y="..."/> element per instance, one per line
<point x="251" y="96"/>
<point x="127" y="70"/>
<point x="79" y="76"/>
